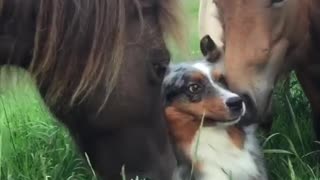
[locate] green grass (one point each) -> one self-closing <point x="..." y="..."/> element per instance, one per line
<point x="33" y="146"/>
<point x="290" y="151"/>
<point x="190" y="22"/>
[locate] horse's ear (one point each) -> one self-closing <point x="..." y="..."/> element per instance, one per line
<point x="209" y="49"/>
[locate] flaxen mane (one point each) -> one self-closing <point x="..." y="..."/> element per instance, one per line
<point x="77" y="43"/>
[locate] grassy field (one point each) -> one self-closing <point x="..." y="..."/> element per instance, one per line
<point x="34" y="147"/>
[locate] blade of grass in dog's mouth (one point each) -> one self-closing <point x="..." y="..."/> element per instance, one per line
<point x="197" y="144"/>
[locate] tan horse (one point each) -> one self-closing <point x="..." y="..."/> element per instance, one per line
<point x="263" y="39"/>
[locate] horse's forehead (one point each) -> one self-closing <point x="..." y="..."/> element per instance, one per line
<point x="135" y="8"/>
<point x="143" y="3"/>
<point x="147" y="3"/>
<point x="229" y="6"/>
<point x="242" y="12"/>
<point x="230" y="3"/>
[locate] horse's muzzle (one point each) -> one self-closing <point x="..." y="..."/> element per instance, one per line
<point x="251" y="115"/>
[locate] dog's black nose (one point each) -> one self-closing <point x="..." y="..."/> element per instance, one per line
<point x="234" y="104"/>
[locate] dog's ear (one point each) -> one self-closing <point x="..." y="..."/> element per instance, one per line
<point x="207" y="45"/>
<point x="209" y="49"/>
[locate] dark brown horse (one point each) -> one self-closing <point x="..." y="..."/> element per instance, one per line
<point x="99" y="64"/>
<point x="263" y="39"/>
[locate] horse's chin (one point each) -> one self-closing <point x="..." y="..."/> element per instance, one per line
<point x="251" y="115"/>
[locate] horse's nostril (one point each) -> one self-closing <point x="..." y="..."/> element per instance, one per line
<point x="234" y="103"/>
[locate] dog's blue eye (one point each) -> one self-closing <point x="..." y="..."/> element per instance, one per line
<point x="194" y="88"/>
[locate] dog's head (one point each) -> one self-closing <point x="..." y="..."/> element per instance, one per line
<point x="195" y="90"/>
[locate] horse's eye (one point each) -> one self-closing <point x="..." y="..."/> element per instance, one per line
<point x="194" y="88"/>
<point x="160" y="69"/>
<point x="278" y="3"/>
<point x="160" y="59"/>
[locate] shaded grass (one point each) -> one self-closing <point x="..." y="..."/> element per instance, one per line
<point x="34" y="146"/>
<point x="293" y="152"/>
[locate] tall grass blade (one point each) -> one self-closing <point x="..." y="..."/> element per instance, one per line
<point x="310" y="153"/>
<point x="0" y="152"/>
<point x="195" y="155"/>
<point x="123" y="173"/>
<point x="292" y="173"/>
<point x="269" y="138"/>
<point x="89" y="162"/>
<point x="312" y="172"/>
<point x="277" y="151"/>
<point x="294" y="119"/>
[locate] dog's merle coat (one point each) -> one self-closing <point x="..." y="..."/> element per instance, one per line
<point x="237" y="152"/>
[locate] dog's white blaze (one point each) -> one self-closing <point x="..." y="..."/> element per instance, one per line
<point x="205" y="68"/>
<point x="222" y="160"/>
<point x="209" y="22"/>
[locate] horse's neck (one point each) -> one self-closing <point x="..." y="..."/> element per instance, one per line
<point x="311" y="61"/>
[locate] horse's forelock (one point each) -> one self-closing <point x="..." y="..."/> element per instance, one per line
<point x="1" y="5"/>
<point x="170" y="18"/>
<point x="80" y="43"/>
